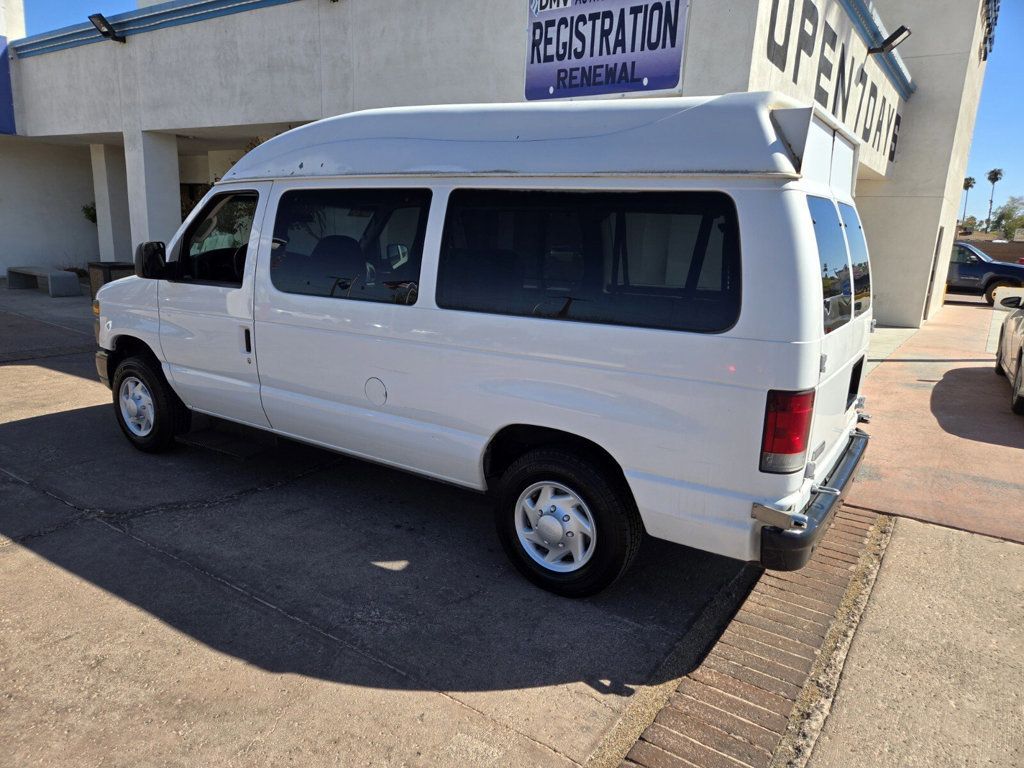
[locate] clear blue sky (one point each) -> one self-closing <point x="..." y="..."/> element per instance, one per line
<point x="997" y="137"/>
<point x="998" y="140"/>
<point x="47" y="15"/>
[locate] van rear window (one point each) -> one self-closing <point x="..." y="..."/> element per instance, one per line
<point x="835" y="264"/>
<point x="859" y="259"/>
<point x="654" y="260"/>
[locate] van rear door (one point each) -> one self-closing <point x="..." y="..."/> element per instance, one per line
<point x="830" y="160"/>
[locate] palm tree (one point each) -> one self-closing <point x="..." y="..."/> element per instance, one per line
<point x="994" y="177"/>
<point x="969" y="183"/>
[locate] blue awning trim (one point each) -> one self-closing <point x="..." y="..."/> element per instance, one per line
<point x="871" y="30"/>
<point x="170" y="14"/>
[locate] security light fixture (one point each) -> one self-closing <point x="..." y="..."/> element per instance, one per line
<point x="891" y="41"/>
<point x="105" y="28"/>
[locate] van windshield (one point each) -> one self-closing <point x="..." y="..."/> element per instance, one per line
<point x="859" y="259"/>
<point x="836" y="287"/>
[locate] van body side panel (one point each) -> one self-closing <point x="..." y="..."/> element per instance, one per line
<point x="129" y="308"/>
<point x="682" y="413"/>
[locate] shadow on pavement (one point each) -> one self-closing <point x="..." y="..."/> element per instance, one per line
<point x="974" y="404"/>
<point x="966" y="300"/>
<point x="302" y="561"/>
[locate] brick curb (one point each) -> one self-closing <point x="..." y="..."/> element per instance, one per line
<point x="761" y="694"/>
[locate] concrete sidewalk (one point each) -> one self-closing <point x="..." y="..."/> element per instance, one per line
<point x="945" y="447"/>
<point x="935" y="672"/>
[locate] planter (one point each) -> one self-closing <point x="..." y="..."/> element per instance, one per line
<point x="103" y="272"/>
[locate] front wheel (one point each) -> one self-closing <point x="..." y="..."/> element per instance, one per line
<point x="568" y="525"/>
<point x="148" y="411"/>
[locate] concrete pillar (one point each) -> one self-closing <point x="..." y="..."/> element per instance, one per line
<point x="154" y="189"/>
<point x="110" y="187"/>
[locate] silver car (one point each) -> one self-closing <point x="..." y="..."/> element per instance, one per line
<point x="1010" y="353"/>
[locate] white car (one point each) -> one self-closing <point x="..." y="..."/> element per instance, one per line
<point x="1010" y="352"/>
<point x="616" y="316"/>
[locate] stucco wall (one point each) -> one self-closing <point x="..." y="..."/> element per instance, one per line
<point x="12" y="19"/>
<point x="42" y="190"/>
<point x="283" y="64"/>
<point x="813" y="52"/>
<point x="904" y="213"/>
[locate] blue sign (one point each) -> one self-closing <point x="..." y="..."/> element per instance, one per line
<point x="598" y="47"/>
<point x="6" y="92"/>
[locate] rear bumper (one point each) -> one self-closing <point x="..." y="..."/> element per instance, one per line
<point x="102" y="357"/>
<point x="790" y="549"/>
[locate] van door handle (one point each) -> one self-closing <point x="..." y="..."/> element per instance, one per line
<point x="248" y="341"/>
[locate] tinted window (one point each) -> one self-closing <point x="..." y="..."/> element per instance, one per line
<point x="362" y="244"/>
<point x="835" y="267"/>
<point x="961" y="255"/>
<point x="215" y="247"/>
<point x="656" y="260"/>
<point x="858" y="258"/>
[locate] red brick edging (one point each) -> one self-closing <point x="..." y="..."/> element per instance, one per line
<point x="734" y="708"/>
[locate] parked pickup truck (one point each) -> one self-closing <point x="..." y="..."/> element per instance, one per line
<point x="973" y="271"/>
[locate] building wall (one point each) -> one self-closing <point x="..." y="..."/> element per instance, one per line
<point x="42" y="190"/>
<point x="289" y="63"/>
<point x="905" y="212"/>
<point x="810" y="49"/>
<point x="12" y="19"/>
<point x="259" y="70"/>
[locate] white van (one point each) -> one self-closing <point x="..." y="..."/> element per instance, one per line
<point x="615" y="316"/>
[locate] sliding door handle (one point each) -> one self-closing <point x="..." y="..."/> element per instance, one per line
<point x="248" y="341"/>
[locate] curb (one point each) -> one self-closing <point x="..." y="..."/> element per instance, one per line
<point x="761" y="694"/>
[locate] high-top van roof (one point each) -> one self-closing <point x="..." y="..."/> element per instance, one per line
<point x="744" y="133"/>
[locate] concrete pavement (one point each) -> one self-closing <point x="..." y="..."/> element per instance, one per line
<point x="945" y="447"/>
<point x="935" y="674"/>
<point x="296" y="606"/>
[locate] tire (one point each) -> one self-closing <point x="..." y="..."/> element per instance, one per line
<point x="154" y="404"/>
<point x="990" y="291"/>
<point x="1000" y="371"/>
<point x="1017" y="390"/>
<point x="604" y="501"/>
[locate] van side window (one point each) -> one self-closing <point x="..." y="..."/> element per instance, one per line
<point x="667" y="260"/>
<point x="216" y="244"/>
<point x="835" y="264"/>
<point x="361" y="244"/>
<point x="859" y="259"/>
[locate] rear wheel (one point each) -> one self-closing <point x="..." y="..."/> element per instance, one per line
<point x="990" y="291"/>
<point x="148" y="411"/>
<point x="567" y="524"/>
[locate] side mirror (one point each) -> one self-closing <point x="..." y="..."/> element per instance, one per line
<point x="151" y="260"/>
<point x="1012" y="302"/>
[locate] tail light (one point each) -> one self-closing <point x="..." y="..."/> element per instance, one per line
<point x="787" y="427"/>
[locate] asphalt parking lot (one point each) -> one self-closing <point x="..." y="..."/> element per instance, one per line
<point x="218" y="606"/>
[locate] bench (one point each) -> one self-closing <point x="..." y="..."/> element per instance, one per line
<point x="56" y="281"/>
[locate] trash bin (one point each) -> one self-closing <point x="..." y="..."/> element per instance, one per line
<point x="103" y="272"/>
